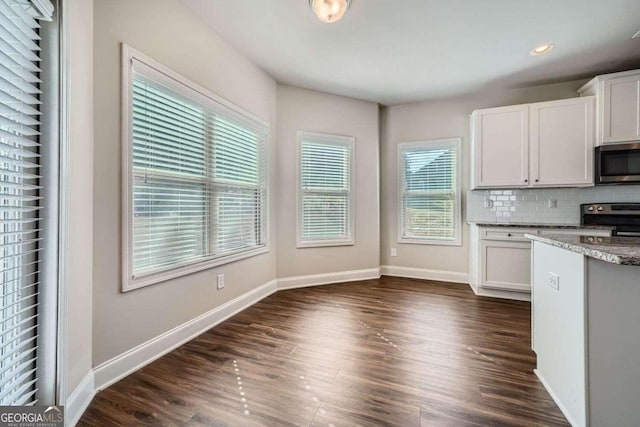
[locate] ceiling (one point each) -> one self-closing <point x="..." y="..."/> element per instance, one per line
<point x="399" y="51"/>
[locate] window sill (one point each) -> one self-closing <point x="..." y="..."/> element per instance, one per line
<point x="323" y="243"/>
<point x="130" y="283"/>
<point x="431" y="242"/>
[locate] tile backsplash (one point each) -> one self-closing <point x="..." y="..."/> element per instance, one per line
<point x="541" y="206"/>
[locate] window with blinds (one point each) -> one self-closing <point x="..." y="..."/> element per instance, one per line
<point x="197" y="174"/>
<point x="20" y="200"/>
<point x="325" y="202"/>
<point x="430" y="192"/>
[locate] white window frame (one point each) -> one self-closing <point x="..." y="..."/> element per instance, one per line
<point x="333" y="140"/>
<point x="33" y="294"/>
<point x="177" y="83"/>
<point x="456" y="144"/>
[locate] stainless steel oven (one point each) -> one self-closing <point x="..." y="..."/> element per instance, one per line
<point x="618" y="164"/>
<point x="623" y="218"/>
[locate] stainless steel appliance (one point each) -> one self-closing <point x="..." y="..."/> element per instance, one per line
<point x="618" y="164"/>
<point x="623" y="217"/>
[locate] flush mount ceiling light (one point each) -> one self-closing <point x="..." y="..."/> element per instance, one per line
<point x="329" y="11"/>
<point x="542" y="49"/>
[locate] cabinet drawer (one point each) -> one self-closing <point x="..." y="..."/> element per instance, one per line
<point x="508" y="234"/>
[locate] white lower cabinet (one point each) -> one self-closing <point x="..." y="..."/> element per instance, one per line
<point x="506" y="265"/>
<point x="500" y="259"/>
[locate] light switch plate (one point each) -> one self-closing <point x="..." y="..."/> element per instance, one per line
<point x="554" y="281"/>
<point x="394" y="252"/>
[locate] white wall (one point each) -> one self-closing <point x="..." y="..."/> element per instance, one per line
<point x="307" y="110"/>
<point x="171" y="33"/>
<point x="78" y="331"/>
<point x="433" y="120"/>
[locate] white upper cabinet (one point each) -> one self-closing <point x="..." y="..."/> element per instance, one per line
<point x="618" y="106"/>
<point x="546" y="144"/>
<point x="561" y="138"/>
<point x="500" y="147"/>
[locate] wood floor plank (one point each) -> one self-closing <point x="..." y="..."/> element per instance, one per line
<point x="387" y="352"/>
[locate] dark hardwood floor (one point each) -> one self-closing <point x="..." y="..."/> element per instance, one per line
<point x="388" y="352"/>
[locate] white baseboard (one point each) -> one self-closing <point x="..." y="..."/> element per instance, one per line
<point x="425" y="274"/>
<point x="555" y="399"/>
<point x="79" y="400"/>
<point x="497" y="293"/>
<point x="328" y="278"/>
<point x="130" y="361"/>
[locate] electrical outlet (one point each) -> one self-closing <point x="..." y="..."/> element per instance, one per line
<point x="220" y="281"/>
<point x="488" y="203"/>
<point x="394" y="252"/>
<point x="554" y="281"/>
<point x="553" y="203"/>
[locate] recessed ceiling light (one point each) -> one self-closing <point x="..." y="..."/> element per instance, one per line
<point x="542" y="49"/>
<point x="329" y="11"/>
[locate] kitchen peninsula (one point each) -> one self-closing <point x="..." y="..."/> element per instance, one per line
<point x="586" y="326"/>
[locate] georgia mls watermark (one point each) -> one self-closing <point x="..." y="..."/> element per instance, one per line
<point x="31" y="416"/>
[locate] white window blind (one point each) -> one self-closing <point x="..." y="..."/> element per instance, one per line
<point x="430" y="192"/>
<point x="198" y="179"/>
<point x="325" y="211"/>
<point x="20" y="203"/>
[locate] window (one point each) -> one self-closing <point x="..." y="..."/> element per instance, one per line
<point x="196" y="174"/>
<point x="22" y="235"/>
<point x="325" y="198"/>
<point x="430" y="192"/>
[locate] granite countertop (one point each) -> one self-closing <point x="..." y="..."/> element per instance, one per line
<point x="564" y="226"/>
<point x="615" y="249"/>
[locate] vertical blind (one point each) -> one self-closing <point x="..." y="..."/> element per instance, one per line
<point x="199" y="178"/>
<point x="20" y="203"/>
<point x="428" y="210"/>
<point x="325" y="189"/>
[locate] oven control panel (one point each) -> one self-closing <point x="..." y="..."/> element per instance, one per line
<point x="611" y="208"/>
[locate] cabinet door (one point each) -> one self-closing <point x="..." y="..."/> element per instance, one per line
<point x="500" y="143"/>
<point x="562" y="137"/>
<point x="621" y="109"/>
<point x="505" y="265"/>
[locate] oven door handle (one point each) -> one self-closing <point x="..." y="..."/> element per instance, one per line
<point x="627" y="233"/>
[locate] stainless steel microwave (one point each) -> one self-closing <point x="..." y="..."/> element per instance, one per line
<point x="618" y="164"/>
